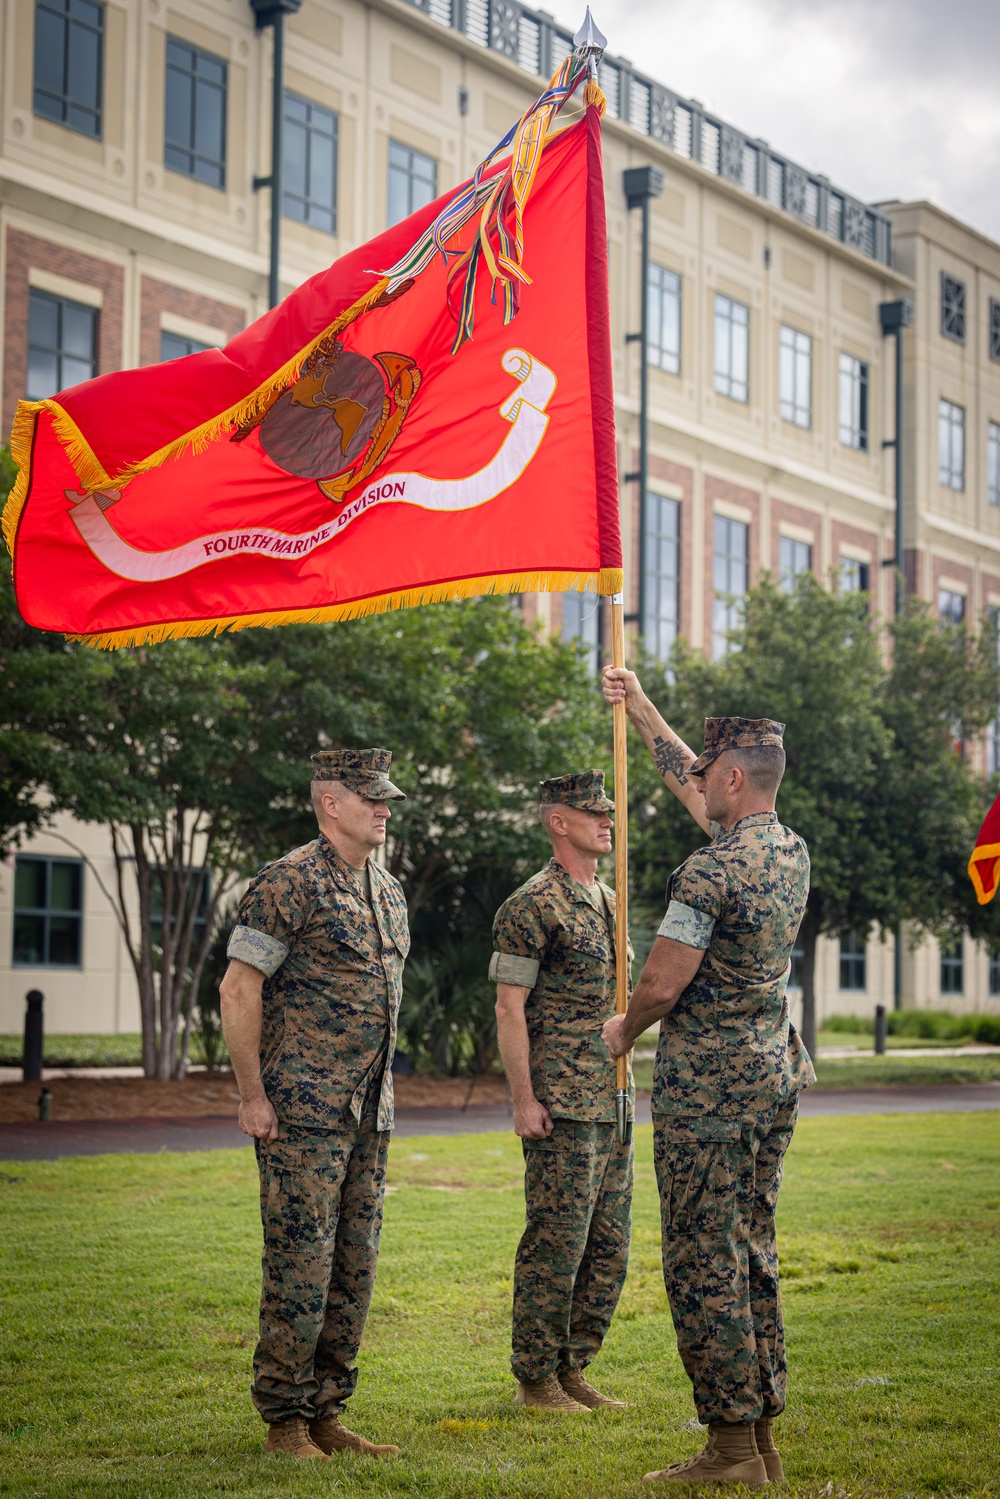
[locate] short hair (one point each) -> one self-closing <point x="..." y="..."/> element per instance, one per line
<point x="319" y="789"/>
<point x="545" y="811"/>
<point x="762" y="764"/>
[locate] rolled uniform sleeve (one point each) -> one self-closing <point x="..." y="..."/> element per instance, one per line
<point x="695" y="901"/>
<point x="520" y="943"/>
<point x="273" y="909"/>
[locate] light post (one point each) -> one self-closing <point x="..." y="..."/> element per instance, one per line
<point x="894" y="317"/>
<point x="273" y="13"/>
<point x="641" y="184"/>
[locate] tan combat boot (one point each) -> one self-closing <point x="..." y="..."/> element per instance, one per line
<point x="730" y="1456"/>
<point x="764" y="1437"/>
<point x="329" y="1435"/>
<point x="548" y="1395"/>
<point x="578" y="1389"/>
<point x="292" y="1437"/>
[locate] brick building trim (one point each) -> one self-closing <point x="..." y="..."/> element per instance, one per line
<point x="28" y="252"/>
<point x="159" y="297"/>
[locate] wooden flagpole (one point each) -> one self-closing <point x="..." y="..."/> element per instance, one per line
<point x="621" y="859"/>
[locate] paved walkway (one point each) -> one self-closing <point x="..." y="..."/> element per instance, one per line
<point x="46" y="1142"/>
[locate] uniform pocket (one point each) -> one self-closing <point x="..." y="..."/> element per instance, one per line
<point x="699" y="1187"/>
<point x="548" y="1184"/>
<point x="297" y="1208"/>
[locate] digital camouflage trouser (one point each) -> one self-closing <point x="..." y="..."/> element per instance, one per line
<point x="718" y="1182"/>
<point x="573" y="1255"/>
<point x="321" y="1209"/>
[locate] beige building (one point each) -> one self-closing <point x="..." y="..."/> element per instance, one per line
<point x="131" y="132"/>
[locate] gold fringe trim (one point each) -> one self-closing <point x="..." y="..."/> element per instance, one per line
<point x="594" y="94"/>
<point x="607" y="581"/>
<point x="89" y="469"/>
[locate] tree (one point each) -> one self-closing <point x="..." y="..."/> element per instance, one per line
<point x="42" y="679"/>
<point x="184" y="763"/>
<point x="873" y="782"/>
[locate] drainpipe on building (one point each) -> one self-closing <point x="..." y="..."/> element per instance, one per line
<point x="641" y="184"/>
<point x="894" y="317"/>
<point x="273" y="13"/>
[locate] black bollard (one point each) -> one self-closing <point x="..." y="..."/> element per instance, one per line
<point x="45" y="1105"/>
<point x="34" y="1035"/>
<point x="881" y="1030"/>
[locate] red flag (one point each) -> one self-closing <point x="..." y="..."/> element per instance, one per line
<point x="338" y="456"/>
<point x="985" y="862"/>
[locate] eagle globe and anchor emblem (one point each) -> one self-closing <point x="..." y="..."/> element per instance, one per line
<point x="339" y="419"/>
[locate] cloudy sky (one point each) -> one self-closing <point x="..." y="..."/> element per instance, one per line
<point x="888" y="98"/>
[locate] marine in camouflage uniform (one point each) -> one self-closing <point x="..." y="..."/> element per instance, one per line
<point x="554" y="941"/>
<point x="729" y="1067"/>
<point x="330" y="939"/>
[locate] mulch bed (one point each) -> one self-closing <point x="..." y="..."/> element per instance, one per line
<point x="203" y="1095"/>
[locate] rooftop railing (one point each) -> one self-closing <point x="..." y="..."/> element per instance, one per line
<point x="535" y="41"/>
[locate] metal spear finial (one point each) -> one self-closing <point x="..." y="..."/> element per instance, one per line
<point x="590" y="43"/>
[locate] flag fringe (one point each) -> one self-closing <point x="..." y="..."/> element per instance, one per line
<point x="606" y="581"/>
<point x="980" y="853"/>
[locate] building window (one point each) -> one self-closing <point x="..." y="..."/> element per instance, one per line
<point x="994" y="979"/>
<point x="69" y="58"/>
<point x="412" y="181"/>
<point x="732" y="348"/>
<point x="48" y="912"/>
<point x="853" y="575"/>
<point x="62" y="344"/>
<point x="853" y="962"/>
<point x="952" y="975"/>
<point x="951" y="606"/>
<point x="195" y="132"/>
<point x="664" y="319"/>
<point x="795" y="967"/>
<point x="995" y="329"/>
<point x="310" y="188"/>
<point x="795" y="376"/>
<point x="853" y="381"/>
<point x="662" y="582"/>
<point x="176" y="346"/>
<point x="794" y="561"/>
<point x="951" y="445"/>
<point x="993" y="463"/>
<point x="952" y="308"/>
<point x="730" y="578"/>
<point x="582" y="622"/>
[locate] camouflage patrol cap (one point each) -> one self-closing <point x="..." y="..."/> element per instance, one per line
<point x="365" y="771"/>
<point x="585" y="791"/>
<point x="723" y="734"/>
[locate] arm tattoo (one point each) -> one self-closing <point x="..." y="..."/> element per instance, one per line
<point x="671" y="759"/>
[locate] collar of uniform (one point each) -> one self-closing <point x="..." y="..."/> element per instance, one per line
<point x="574" y="889"/>
<point x="344" y="872"/>
<point x="754" y="820"/>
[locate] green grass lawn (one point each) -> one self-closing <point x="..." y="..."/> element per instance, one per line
<point x="128" y="1308"/>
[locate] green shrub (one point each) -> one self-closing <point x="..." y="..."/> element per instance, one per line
<point x="851" y="1025"/>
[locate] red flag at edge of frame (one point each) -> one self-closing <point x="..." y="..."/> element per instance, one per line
<point x="984" y="866"/>
<point x="321" y="468"/>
